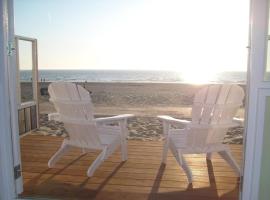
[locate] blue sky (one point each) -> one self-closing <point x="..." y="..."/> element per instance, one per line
<point x="205" y="36"/>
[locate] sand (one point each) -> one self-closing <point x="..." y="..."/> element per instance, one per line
<point x="145" y="100"/>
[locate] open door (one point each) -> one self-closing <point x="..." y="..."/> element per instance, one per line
<point x="256" y="179"/>
<point x="27" y="83"/>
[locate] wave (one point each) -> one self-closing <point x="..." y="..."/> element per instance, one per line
<point x="126" y="76"/>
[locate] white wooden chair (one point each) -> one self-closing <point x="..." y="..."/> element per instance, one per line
<point x="75" y="109"/>
<point x="213" y="112"/>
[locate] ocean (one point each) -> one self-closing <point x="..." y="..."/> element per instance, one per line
<point x="127" y="76"/>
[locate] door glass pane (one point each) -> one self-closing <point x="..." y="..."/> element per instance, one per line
<point x="267" y="70"/>
<point x="265" y="163"/>
<point x="26" y="68"/>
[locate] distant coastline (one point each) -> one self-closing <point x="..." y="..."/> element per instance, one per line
<point x="131" y="76"/>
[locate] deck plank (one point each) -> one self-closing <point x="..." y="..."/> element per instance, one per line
<point x="142" y="177"/>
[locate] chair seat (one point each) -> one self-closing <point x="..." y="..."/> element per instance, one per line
<point x="109" y="134"/>
<point x="178" y="138"/>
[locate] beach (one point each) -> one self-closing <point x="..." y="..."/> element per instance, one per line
<point x="144" y="100"/>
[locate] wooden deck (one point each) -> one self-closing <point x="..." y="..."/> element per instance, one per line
<point x="141" y="177"/>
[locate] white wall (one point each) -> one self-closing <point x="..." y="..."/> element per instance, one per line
<point x="7" y="184"/>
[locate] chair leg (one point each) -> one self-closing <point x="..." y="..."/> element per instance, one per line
<point x="84" y="151"/>
<point x="226" y="155"/>
<point x="166" y="127"/>
<point x="182" y="162"/>
<point x="124" y="154"/>
<point x="63" y="150"/>
<point x="91" y="170"/>
<point x="209" y="156"/>
<point x="165" y="151"/>
<point x="186" y="169"/>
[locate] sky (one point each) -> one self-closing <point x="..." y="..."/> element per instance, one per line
<point x="184" y="35"/>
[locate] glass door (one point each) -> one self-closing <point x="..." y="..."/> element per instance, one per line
<point x="257" y="162"/>
<point x="27" y="83"/>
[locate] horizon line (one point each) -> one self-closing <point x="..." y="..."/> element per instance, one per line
<point x="68" y="69"/>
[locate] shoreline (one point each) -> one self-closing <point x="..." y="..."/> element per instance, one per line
<point x="242" y="83"/>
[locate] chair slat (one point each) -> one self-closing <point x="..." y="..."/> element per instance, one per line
<point x="74" y="103"/>
<point x="215" y="104"/>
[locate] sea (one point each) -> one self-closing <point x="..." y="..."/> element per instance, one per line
<point x="128" y="76"/>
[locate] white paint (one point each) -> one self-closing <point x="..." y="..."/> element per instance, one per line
<point x="8" y="187"/>
<point x="26" y="104"/>
<point x="13" y="99"/>
<point x="255" y="107"/>
<point x="34" y="74"/>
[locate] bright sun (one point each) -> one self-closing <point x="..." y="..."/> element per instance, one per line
<point x="197" y="77"/>
<point x="195" y="37"/>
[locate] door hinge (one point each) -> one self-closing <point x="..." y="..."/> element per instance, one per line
<point x="10" y="48"/>
<point x="17" y="172"/>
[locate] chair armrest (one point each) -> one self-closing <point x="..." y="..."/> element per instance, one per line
<point x="240" y="121"/>
<point x="213" y="126"/>
<point x="173" y="121"/>
<point x="117" y="118"/>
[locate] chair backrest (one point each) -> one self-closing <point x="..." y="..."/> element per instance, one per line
<point x="74" y="105"/>
<point x="213" y="109"/>
<point x="65" y="94"/>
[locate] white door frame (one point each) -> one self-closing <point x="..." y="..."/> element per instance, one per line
<point x="9" y="137"/>
<point x="9" y="188"/>
<point x="256" y="86"/>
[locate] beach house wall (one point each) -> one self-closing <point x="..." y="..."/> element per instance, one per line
<point x="256" y="179"/>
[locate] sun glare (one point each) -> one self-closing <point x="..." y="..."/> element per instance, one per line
<point x="197" y="77"/>
<point x="142" y="35"/>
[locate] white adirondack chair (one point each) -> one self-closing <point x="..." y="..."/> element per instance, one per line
<point x="213" y="112"/>
<point x="75" y="109"/>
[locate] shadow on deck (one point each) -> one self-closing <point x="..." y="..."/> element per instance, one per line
<point x="142" y="177"/>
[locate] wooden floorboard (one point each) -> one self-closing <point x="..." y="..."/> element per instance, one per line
<point x="142" y="177"/>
